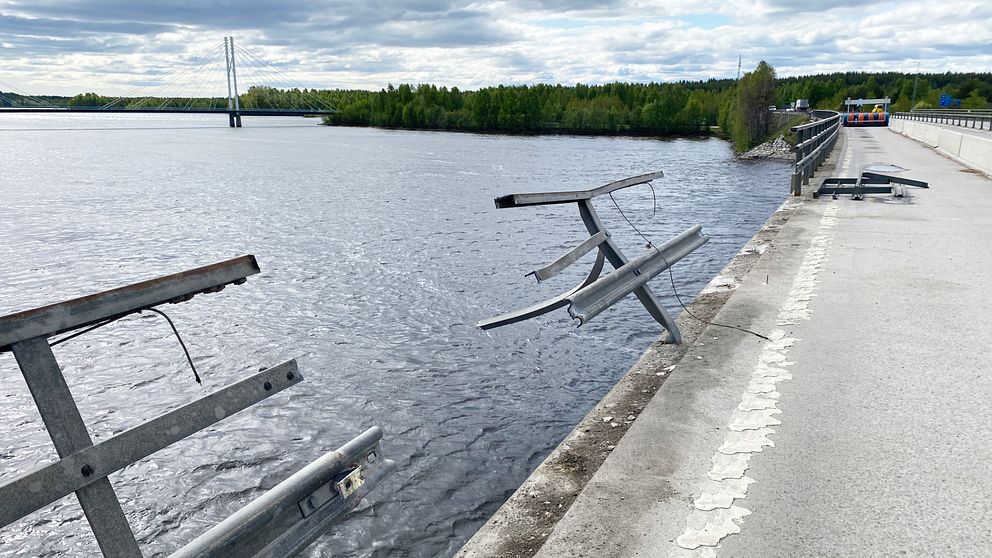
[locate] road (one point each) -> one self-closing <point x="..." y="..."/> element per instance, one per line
<point x="860" y="427"/>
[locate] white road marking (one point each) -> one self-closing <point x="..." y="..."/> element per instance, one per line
<point x="715" y="516"/>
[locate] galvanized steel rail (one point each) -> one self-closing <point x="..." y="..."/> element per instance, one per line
<point x="816" y="139"/>
<point x="281" y="522"/>
<point x="595" y="294"/>
<point x="980" y="119"/>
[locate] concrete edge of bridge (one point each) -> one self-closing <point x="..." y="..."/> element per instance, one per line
<point x="963" y="146"/>
<point x="520" y="527"/>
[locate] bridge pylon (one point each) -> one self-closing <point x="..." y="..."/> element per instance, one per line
<point x="233" y="103"/>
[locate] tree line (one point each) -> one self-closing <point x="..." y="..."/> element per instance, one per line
<point x="738" y="107"/>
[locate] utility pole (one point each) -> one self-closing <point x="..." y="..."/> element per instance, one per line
<point x="234" y="74"/>
<point x="740" y="57"/>
<point x="915" y="80"/>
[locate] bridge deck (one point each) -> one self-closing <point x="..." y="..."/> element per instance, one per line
<point x="877" y="374"/>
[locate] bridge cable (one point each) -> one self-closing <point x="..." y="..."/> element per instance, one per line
<point x="283" y="81"/>
<point x="315" y="102"/>
<point x="18" y="91"/>
<point x="156" y="82"/>
<point x="159" y="83"/>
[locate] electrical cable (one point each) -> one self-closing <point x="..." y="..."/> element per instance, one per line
<point x="189" y="359"/>
<point x="671" y="275"/>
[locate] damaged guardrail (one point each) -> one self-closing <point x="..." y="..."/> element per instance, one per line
<point x="595" y="293"/>
<point x="870" y="181"/>
<point x="281" y="522"/>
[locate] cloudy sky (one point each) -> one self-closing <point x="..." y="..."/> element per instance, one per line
<point x="115" y="46"/>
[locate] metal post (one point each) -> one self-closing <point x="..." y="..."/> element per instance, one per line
<point x="612" y="252"/>
<point x="68" y="432"/>
<point x="230" y="101"/>
<point x="234" y="72"/>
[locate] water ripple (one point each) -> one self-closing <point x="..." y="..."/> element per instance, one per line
<point x="380" y="250"/>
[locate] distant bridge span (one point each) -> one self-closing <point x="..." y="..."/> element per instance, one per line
<point x="171" y="110"/>
<point x="194" y="73"/>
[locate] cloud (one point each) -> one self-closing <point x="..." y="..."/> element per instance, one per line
<point x="67" y="46"/>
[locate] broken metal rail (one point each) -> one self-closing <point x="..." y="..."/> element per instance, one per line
<point x="867" y="183"/>
<point x="281" y="522"/>
<point x="595" y="294"/>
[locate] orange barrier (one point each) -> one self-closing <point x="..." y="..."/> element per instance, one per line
<point x="866" y="119"/>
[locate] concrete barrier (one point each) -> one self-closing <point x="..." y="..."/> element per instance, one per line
<point x="977" y="152"/>
<point x="971" y="150"/>
<point x="950" y="142"/>
<point x="931" y="135"/>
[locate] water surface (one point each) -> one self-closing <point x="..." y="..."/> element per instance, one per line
<point x="379" y="251"/>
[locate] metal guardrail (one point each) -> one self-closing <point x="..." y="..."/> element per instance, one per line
<point x="816" y="139"/>
<point x="596" y="293"/>
<point x="975" y="118"/>
<point x="869" y="182"/>
<point x="282" y="521"/>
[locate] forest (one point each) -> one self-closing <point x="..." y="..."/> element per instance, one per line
<point x="738" y="107"/>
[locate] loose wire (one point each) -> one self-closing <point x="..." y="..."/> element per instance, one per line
<point x="98" y="325"/>
<point x="671" y="275"/>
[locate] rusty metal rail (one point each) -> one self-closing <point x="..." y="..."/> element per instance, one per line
<point x="595" y="293"/>
<point x="287" y="518"/>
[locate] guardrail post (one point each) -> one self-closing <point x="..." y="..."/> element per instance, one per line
<point x="68" y="432"/>
<point x="280" y="523"/>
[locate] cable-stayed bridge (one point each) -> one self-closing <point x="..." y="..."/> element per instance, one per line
<point x="205" y="83"/>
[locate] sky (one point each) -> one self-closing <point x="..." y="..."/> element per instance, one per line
<point x="117" y="47"/>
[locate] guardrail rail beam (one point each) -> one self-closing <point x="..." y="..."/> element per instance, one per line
<point x="595" y="293"/>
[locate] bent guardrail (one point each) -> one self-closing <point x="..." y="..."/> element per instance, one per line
<point x="284" y="520"/>
<point x="966" y="118"/>
<point x="816" y="139"/>
<point x="874" y="179"/>
<point x="595" y="293"/>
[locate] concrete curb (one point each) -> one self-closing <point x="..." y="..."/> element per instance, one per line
<point x="523" y="523"/>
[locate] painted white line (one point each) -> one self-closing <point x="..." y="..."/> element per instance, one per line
<point x="714" y="515"/>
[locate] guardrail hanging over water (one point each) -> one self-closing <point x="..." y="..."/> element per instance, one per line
<point x="281" y="522"/>
<point x="595" y="294"/>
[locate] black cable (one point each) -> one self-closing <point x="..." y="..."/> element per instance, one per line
<point x="98" y="325"/>
<point x="189" y="359"/>
<point x="671" y="275"/>
<point x="87" y="330"/>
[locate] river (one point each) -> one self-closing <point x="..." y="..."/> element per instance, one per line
<point x="379" y="252"/>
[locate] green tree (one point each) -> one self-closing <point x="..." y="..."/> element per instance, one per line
<point x="750" y="118"/>
<point x="89" y="100"/>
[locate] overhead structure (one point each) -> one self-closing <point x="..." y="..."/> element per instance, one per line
<point x="595" y="294"/>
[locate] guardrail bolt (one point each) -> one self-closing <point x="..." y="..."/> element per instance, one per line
<point x="371" y="457"/>
<point x="267" y="386"/>
<point x="310" y="503"/>
<point x="290" y="375"/>
<point x="86" y="470"/>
